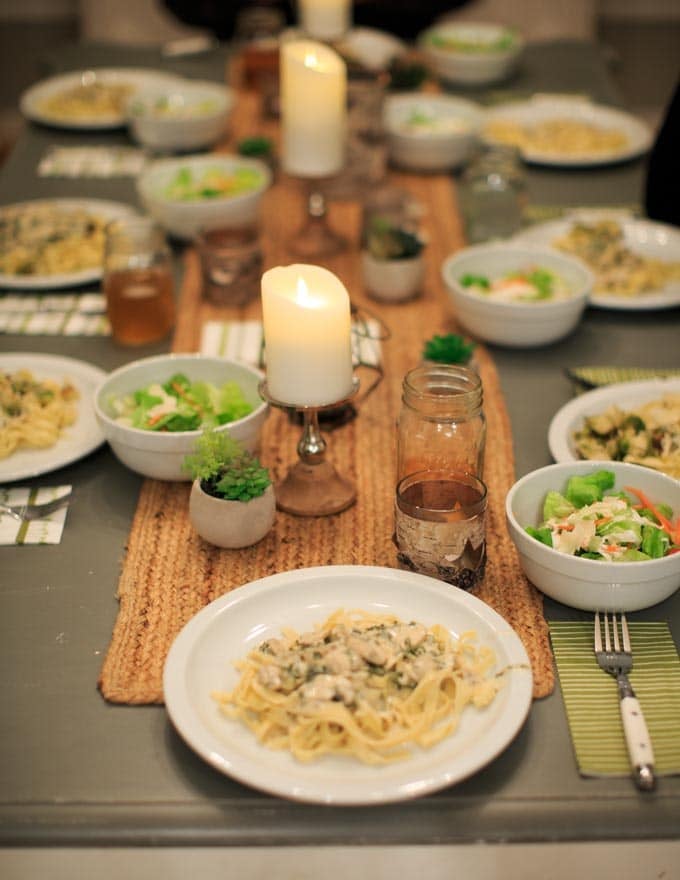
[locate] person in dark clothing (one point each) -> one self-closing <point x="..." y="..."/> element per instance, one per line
<point x="404" y="18"/>
<point x="662" y="185"/>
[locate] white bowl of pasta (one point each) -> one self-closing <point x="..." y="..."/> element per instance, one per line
<point x="152" y="410"/>
<point x="590" y="558"/>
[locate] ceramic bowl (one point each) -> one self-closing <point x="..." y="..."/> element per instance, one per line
<point x="186" y="218"/>
<point x="431" y="132"/>
<point x="187" y="115"/>
<point x="160" y="455"/>
<point x="589" y="584"/>
<point x="470" y="53"/>
<point x="516" y="324"/>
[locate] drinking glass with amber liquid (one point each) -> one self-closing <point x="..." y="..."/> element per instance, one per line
<point x="138" y="281"/>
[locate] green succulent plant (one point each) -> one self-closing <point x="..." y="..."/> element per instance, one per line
<point x="386" y="241"/>
<point x="448" y="349"/>
<point x="225" y="469"/>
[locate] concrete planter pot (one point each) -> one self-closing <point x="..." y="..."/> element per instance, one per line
<point x="231" y="524"/>
<point x="392" y="280"/>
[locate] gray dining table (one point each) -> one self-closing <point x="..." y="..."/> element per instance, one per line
<point x="92" y="789"/>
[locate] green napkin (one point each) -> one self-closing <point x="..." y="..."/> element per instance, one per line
<point x="586" y="378"/>
<point x="592" y="702"/>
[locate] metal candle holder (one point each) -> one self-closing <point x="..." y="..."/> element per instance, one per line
<point x="312" y="486"/>
<point x="315" y="238"/>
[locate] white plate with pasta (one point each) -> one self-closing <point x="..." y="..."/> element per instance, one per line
<point x="88" y="99"/>
<point x="54" y="243"/>
<point x="201" y="666"/>
<point x="566" y="131"/>
<point x="636" y="262"/>
<point x="75" y="436"/>
<point x="630" y="398"/>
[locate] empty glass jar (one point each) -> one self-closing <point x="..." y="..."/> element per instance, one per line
<point x="441" y="423"/>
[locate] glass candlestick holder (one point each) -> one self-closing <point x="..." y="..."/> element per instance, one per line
<point x="315" y="238"/>
<point x="312" y="486"/>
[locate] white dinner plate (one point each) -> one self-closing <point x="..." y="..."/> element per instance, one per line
<point x="647" y="238"/>
<point x="97" y="207"/>
<point x="32" y="100"/>
<point x="625" y="395"/>
<point x="76" y="441"/>
<point x="542" y="108"/>
<point x="201" y="660"/>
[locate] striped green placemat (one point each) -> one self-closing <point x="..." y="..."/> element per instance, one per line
<point x="592" y="703"/>
<point x="594" y="377"/>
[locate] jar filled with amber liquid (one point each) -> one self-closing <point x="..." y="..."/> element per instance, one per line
<point x="441" y="423"/>
<point x="138" y="281"/>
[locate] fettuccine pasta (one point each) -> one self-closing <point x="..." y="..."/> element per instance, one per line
<point x="558" y="137"/>
<point x="45" y="239"/>
<point x="33" y="412"/>
<point x="360" y="684"/>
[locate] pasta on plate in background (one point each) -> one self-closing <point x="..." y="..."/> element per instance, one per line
<point x="33" y="412"/>
<point x="360" y="684"/>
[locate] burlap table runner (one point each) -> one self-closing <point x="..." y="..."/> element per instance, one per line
<point x="169" y="573"/>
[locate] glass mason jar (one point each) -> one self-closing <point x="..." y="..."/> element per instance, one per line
<point x="492" y="195"/>
<point x="138" y="281"/>
<point x="441" y="424"/>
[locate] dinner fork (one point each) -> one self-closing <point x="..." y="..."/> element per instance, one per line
<point x="34" y="511"/>
<point x="617" y="660"/>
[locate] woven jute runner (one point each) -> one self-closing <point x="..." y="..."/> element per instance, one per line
<point x="169" y="573"/>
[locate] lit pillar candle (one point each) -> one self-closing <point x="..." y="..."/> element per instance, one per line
<point x="325" y="19"/>
<point x="313" y="109"/>
<point x="308" y="350"/>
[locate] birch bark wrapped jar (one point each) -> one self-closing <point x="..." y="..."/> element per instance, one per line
<point x="441" y="424"/>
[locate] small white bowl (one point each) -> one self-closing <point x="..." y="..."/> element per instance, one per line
<point x="588" y="583"/>
<point x="185" y="219"/>
<point x="160" y="454"/>
<point x="182" y="116"/>
<point x="474" y="67"/>
<point x="445" y="143"/>
<point x="392" y="280"/>
<point x="516" y="324"/>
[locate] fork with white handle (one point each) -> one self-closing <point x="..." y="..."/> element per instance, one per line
<point x="617" y="659"/>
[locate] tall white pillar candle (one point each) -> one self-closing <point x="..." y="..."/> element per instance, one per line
<point x="325" y="19"/>
<point x="308" y="350"/>
<point x="313" y="109"/>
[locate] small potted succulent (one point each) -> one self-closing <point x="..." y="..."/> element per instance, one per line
<point x="232" y="500"/>
<point x="392" y="261"/>
<point x="449" y="348"/>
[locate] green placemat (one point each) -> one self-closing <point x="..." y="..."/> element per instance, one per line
<point x="586" y="378"/>
<point x="592" y="703"/>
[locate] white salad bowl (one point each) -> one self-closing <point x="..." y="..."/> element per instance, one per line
<point x="477" y="54"/>
<point x="590" y="584"/>
<point x="516" y="324"/>
<point x="185" y="115"/>
<point x="186" y="218"/>
<point x="159" y="454"/>
<point x="431" y="132"/>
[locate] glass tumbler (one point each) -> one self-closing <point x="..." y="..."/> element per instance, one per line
<point x="231" y="263"/>
<point x="138" y="281"/>
<point x="441" y="423"/>
<point x="492" y="194"/>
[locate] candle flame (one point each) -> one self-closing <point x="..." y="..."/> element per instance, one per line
<point x="311" y="59"/>
<point x="302" y="294"/>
